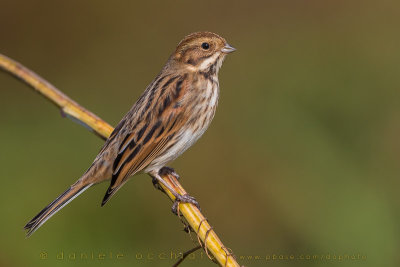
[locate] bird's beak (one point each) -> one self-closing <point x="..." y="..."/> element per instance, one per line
<point x="228" y="49"/>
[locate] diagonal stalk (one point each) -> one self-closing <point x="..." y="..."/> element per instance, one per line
<point x="207" y="236"/>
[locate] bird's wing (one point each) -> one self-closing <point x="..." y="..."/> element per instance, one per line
<point x="161" y="119"/>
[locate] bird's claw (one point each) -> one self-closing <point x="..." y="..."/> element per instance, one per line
<point x="184" y="199"/>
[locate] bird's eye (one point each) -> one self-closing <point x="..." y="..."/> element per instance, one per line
<point x="205" y="46"/>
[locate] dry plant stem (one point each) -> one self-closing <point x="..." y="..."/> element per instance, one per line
<point x="191" y="213"/>
<point x="68" y="107"/>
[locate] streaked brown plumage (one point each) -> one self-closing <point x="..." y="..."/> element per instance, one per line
<point x="172" y="113"/>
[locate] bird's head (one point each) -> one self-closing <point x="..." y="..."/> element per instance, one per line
<point x="202" y="51"/>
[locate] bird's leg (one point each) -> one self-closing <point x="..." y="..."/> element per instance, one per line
<point x="168" y="170"/>
<point x="164" y="171"/>
<point x="178" y="197"/>
<point x="156" y="184"/>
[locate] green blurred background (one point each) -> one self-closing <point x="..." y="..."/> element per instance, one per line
<point x="301" y="159"/>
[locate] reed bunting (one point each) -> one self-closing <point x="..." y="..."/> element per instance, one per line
<point x="171" y="115"/>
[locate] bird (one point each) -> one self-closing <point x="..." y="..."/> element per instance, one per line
<point x="172" y="113"/>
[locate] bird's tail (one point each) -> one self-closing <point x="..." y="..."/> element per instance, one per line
<point x="72" y="192"/>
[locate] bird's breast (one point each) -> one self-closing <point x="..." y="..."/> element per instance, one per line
<point x="200" y="110"/>
<point x="203" y="109"/>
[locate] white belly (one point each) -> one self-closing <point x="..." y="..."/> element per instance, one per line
<point x="185" y="139"/>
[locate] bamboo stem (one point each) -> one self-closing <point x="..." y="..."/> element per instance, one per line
<point x="207" y="236"/>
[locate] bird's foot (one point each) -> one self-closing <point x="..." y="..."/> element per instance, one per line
<point x="184" y="199"/>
